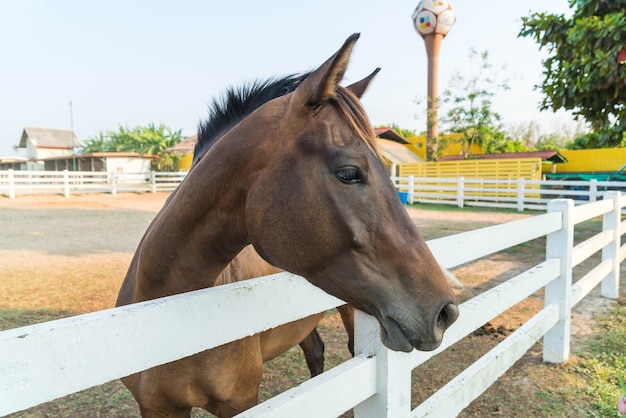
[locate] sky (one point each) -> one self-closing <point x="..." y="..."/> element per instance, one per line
<point x="138" y="62"/>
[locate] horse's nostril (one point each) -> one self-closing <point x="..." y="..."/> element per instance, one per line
<point x="447" y="316"/>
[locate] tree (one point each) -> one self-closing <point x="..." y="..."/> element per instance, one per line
<point x="407" y="133"/>
<point x="142" y="140"/>
<point x="583" y="73"/>
<point x="469" y="107"/>
<point x="496" y="141"/>
<point x="98" y="143"/>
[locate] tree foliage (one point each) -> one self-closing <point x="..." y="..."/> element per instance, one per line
<point x="144" y="140"/>
<point x="583" y="73"/>
<point x="469" y="111"/>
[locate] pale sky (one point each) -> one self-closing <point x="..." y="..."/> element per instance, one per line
<point x="139" y="62"/>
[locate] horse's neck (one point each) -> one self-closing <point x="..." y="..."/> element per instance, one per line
<point x="196" y="235"/>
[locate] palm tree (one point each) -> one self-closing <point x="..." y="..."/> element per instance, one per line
<point x="144" y="140"/>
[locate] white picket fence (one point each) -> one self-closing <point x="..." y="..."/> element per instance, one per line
<point x="46" y="361"/>
<point x="66" y="183"/>
<point x="517" y="194"/>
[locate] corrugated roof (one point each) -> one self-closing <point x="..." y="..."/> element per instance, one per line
<point x="397" y="153"/>
<point x="549" y="155"/>
<point x="49" y="138"/>
<point x="388" y="133"/>
<point x="185" y="146"/>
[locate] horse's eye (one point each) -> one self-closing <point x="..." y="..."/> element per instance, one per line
<point x="350" y="175"/>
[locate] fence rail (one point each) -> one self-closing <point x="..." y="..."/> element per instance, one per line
<point x="517" y="194"/>
<point x="66" y="183"/>
<point x="520" y="194"/>
<point x="43" y="362"/>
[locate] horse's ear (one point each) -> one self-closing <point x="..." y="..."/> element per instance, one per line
<point x="322" y="84"/>
<point x="358" y="88"/>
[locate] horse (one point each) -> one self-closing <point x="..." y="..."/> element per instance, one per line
<point x="301" y="181"/>
<point x="226" y="112"/>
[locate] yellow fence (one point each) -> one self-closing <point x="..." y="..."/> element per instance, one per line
<point x="499" y="169"/>
<point x="495" y="179"/>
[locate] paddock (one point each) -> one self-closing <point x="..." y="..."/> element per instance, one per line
<point x="25" y="349"/>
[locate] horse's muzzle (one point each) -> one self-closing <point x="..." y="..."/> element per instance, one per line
<point x="446" y="317"/>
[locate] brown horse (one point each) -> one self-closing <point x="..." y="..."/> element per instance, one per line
<point x="301" y="180"/>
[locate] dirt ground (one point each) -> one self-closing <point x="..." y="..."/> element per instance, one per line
<point x="86" y="253"/>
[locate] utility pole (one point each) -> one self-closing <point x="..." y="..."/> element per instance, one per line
<point x="73" y="144"/>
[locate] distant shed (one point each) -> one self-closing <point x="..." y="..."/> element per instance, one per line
<point x="126" y="162"/>
<point x="43" y="143"/>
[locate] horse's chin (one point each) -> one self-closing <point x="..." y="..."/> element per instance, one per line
<point x="395" y="338"/>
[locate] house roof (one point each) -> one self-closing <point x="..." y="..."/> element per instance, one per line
<point x="553" y="156"/>
<point x="186" y="146"/>
<point x="388" y="133"/>
<point x="397" y="153"/>
<point x="49" y="138"/>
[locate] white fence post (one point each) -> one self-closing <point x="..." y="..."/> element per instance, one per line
<point x="393" y="376"/>
<point x="153" y="181"/>
<point x="66" y="183"/>
<point x="593" y="190"/>
<point x="11" y="178"/>
<point x="612" y="221"/>
<point x="460" y="192"/>
<point x="559" y="244"/>
<point x="113" y="184"/>
<point x="520" y="194"/>
<point x="411" y="189"/>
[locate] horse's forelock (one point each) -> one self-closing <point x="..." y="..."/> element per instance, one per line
<point x="350" y="108"/>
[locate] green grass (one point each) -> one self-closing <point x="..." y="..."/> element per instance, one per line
<point x="605" y="361"/>
<point x="465" y="209"/>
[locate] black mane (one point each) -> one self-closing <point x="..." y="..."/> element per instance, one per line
<point x="236" y="104"/>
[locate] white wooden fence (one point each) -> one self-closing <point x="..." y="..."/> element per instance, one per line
<point x="16" y="182"/>
<point x="517" y="194"/>
<point x="46" y="361"/>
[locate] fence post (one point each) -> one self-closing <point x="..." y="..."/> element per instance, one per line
<point x="66" y="183"/>
<point x="153" y="181"/>
<point x="460" y="191"/>
<point x="559" y="244"/>
<point x="11" y="179"/>
<point x="520" y="194"/>
<point x="612" y="220"/>
<point x="411" y="189"/>
<point x="593" y="190"/>
<point x="113" y="183"/>
<point x="393" y="376"/>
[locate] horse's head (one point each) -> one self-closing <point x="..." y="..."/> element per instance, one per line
<point x="322" y="205"/>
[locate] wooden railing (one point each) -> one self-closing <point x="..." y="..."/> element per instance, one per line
<point x="14" y="182"/>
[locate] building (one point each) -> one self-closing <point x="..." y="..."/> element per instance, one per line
<point x="13" y="163"/>
<point x="119" y="162"/>
<point x="55" y="150"/>
<point x="185" y="149"/>
<point x="42" y="143"/>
